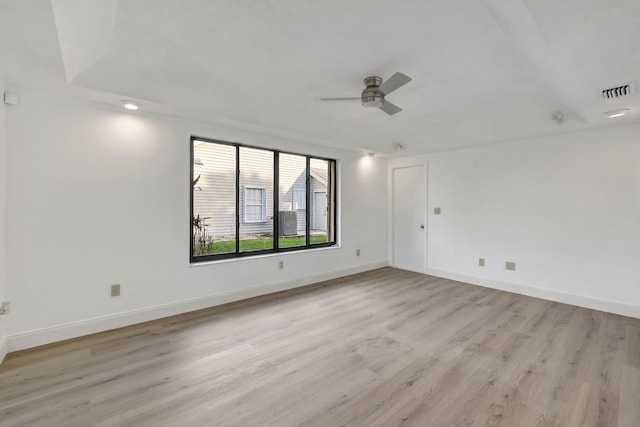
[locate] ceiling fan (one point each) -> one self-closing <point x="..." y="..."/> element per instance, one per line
<point x="375" y="91"/>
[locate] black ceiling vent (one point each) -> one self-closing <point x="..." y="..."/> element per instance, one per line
<point x="618" y="92"/>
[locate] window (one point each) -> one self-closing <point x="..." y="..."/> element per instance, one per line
<point x="255" y="204"/>
<point x="249" y="200"/>
<point x="299" y="199"/>
<point x="292" y="199"/>
<point x="255" y="177"/>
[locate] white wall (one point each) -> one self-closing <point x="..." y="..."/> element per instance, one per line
<point x="89" y="186"/>
<point x="3" y="342"/>
<point x="565" y="209"/>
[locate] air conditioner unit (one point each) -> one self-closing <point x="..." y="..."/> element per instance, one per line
<point x="288" y="223"/>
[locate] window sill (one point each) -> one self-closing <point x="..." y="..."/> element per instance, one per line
<point x="270" y="255"/>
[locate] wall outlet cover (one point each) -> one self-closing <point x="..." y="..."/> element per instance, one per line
<point x="115" y="290"/>
<point x="11" y="98"/>
<point x="5" y="308"/>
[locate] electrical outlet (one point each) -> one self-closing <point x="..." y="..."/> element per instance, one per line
<point x="511" y="266"/>
<point x="281" y="265"/>
<point x="357" y="252"/>
<point x="5" y="308"/>
<point x="437" y="211"/>
<point x="115" y="290"/>
<point x="481" y="262"/>
<point x="11" y="98"/>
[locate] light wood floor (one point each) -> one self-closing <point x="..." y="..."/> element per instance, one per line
<point x="383" y="348"/>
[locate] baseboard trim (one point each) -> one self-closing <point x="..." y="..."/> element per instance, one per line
<point x="608" y="306"/>
<point x="4" y="348"/>
<point x="25" y="340"/>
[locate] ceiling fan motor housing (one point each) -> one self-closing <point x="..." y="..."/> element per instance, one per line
<point x="371" y="96"/>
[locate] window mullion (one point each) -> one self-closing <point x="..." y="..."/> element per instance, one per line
<point x="191" y="196"/>
<point x="237" y="199"/>
<point x="276" y="200"/>
<point x="308" y="203"/>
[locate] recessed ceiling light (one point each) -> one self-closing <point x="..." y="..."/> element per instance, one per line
<point x="129" y="105"/>
<point x="616" y="113"/>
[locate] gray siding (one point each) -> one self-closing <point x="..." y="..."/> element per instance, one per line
<point x="256" y="170"/>
<point x="292" y="179"/>
<point x="217" y="194"/>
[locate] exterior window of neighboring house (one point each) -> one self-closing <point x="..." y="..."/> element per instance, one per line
<point x="299" y="199"/>
<point x="255" y="204"/>
<point x="251" y="200"/>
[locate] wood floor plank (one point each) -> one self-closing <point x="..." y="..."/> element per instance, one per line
<point x="629" y="404"/>
<point x="382" y="348"/>
<point x="633" y="344"/>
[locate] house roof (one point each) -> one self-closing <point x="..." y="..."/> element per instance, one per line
<point x="320" y="174"/>
<point x="483" y="71"/>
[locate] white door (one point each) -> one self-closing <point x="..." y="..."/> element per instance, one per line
<point x="320" y="210"/>
<point x="409" y="219"/>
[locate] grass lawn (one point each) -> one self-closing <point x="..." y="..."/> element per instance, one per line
<point x="248" y="245"/>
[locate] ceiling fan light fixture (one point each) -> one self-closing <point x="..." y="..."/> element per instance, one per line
<point x="373" y="102"/>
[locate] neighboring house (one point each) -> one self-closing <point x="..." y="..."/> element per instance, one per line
<point x="319" y="183"/>
<point x="214" y="197"/>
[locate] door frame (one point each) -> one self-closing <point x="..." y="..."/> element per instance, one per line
<point x="402" y="164"/>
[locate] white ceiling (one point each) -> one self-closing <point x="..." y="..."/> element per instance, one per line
<point x="483" y="71"/>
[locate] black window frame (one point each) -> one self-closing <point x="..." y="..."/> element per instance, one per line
<point x="332" y="204"/>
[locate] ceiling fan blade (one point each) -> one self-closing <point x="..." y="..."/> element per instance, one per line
<point x="390" y="108"/>
<point x="340" y="99"/>
<point x="394" y="82"/>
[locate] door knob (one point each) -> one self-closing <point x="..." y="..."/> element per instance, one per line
<point x="422" y="226"/>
